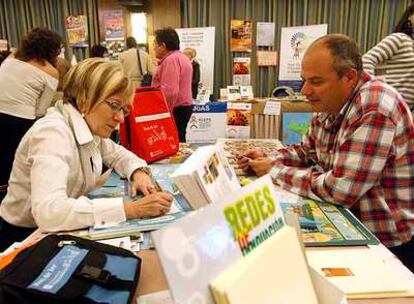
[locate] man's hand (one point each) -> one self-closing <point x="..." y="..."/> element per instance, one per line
<point x="154" y="204"/>
<point x="244" y="159"/>
<point x="141" y="181"/>
<point x="261" y="165"/>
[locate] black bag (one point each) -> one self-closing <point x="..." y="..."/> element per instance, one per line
<point x="68" y="269"/>
<point x="146" y="78"/>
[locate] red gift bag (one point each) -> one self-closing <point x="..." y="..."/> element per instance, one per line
<point x="150" y="131"/>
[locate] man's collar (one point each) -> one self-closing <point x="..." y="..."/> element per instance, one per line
<point x="167" y="54"/>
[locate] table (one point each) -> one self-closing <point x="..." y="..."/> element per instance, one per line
<point x="152" y="279"/>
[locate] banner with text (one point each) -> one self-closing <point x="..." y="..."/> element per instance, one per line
<point x="294" y="42"/>
<point x="201" y="39"/>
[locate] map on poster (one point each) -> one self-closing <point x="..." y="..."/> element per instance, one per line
<point x="294" y="126"/>
<point x="325" y="224"/>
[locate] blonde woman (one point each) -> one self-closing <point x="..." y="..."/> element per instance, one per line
<point x="60" y="159"/>
<point x="191" y="54"/>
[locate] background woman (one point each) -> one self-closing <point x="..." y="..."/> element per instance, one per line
<point x="60" y="160"/>
<point x="28" y="82"/>
<point x="393" y="57"/>
<point x="195" y="81"/>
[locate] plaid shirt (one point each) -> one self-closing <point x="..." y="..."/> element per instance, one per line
<point x="362" y="158"/>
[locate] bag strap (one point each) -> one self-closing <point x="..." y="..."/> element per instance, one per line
<point x="103" y="277"/>
<point x="139" y="63"/>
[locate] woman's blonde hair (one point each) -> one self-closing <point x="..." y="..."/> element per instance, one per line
<point x="190" y="52"/>
<point x="92" y="81"/>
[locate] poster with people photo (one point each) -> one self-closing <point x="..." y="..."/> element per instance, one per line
<point x="241" y="35"/>
<point x="77" y="31"/>
<point x="113" y="23"/>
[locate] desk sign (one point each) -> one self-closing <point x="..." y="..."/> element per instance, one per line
<point x="272" y="108"/>
<point x="207" y="123"/>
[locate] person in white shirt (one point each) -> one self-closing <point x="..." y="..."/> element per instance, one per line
<point x="28" y="82"/>
<point x="134" y="68"/>
<point x="59" y="160"/>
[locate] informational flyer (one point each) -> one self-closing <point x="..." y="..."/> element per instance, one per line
<point x="265" y="35"/>
<point x="238" y="120"/>
<point x="77" y="30"/>
<point x="241" y="35"/>
<point x="113" y="23"/>
<point x="241" y="71"/>
<point x="201" y="39"/>
<point x="294" y="42"/>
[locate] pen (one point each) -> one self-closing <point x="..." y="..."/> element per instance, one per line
<point x="157" y="185"/>
<point x="126" y="187"/>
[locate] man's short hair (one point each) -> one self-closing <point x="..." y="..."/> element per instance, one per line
<point x="344" y="51"/>
<point x="131" y="43"/>
<point x="168" y="36"/>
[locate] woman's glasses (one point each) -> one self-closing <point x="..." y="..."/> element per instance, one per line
<point x="116" y="107"/>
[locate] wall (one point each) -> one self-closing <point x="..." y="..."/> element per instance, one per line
<point x="162" y="13"/>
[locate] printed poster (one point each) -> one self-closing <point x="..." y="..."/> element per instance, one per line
<point x="241" y="71"/>
<point x="113" y="23"/>
<point x="265" y="35"/>
<point x="294" y="42"/>
<point x="201" y="39"/>
<point x="207" y="123"/>
<point x="241" y="35"/>
<point x="238" y="120"/>
<point x="77" y="30"/>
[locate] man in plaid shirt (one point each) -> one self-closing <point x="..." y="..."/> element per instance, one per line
<point x="359" y="151"/>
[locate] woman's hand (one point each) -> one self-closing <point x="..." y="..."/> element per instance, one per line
<point x="154" y="204"/>
<point x="141" y="181"/>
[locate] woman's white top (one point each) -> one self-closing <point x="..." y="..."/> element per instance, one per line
<point x="57" y="163"/>
<point x="25" y="90"/>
